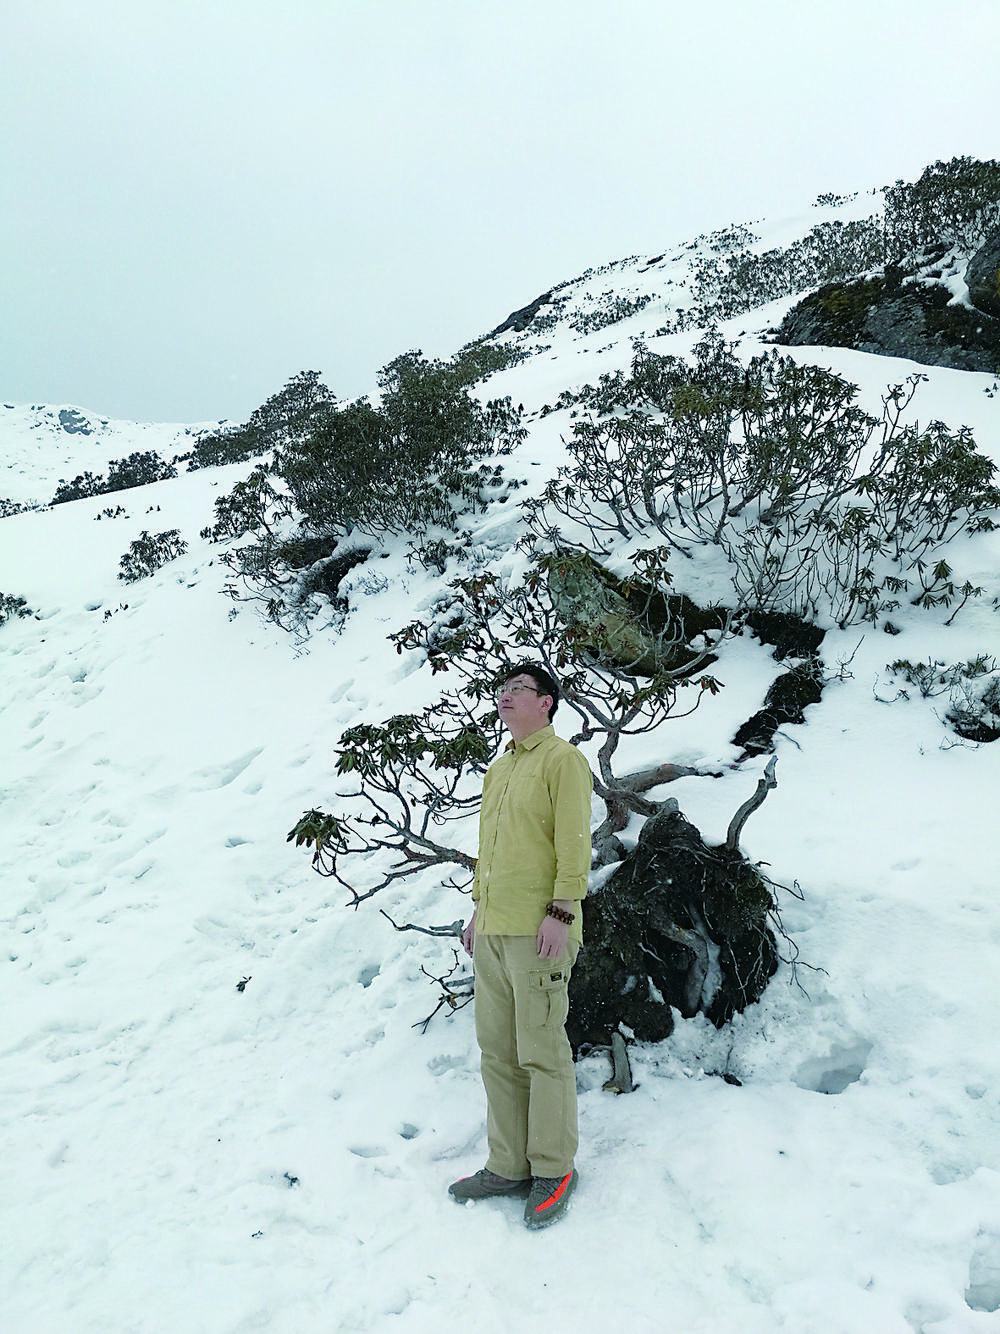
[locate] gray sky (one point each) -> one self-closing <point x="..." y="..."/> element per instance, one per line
<point x="202" y="198"/>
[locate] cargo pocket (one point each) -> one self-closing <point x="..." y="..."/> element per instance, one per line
<point x="548" y="997"/>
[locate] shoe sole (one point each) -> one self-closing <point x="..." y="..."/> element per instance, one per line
<point x="519" y="1192"/>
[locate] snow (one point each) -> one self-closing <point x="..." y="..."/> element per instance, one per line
<point x="183" y="1154"/>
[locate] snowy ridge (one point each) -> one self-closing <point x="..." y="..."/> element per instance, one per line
<point x="661" y="285"/>
<point x="41" y="446"/>
<point x="185" y="1154"/>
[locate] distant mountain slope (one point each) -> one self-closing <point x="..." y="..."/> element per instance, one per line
<point x="41" y="445"/>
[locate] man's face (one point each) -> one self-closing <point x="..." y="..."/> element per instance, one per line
<point x="521" y="708"/>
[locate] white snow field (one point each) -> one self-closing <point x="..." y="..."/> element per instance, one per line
<point x="182" y="1155"/>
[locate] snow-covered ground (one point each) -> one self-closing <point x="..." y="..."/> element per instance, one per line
<point x="181" y="1154"/>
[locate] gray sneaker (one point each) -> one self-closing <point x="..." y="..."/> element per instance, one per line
<point x="548" y="1199"/>
<point x="485" y="1184"/>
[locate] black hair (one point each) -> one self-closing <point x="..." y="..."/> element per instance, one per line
<point x="543" y="679"/>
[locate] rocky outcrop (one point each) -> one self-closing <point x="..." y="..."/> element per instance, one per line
<point x="519" y="320"/>
<point x="74" y="423"/>
<point x="982" y="277"/>
<point x="892" y="317"/>
<point x="788" y="634"/>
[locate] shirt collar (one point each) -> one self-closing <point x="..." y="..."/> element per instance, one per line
<point x="530" y="742"/>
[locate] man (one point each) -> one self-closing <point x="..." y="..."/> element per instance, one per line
<point x="524" y="934"/>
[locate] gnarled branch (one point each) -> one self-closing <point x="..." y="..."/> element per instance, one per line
<point x="764" y="785"/>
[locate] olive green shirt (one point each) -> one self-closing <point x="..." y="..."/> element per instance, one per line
<point x="534" y="835"/>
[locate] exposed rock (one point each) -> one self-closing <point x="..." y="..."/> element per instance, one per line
<point x="785" y="702"/>
<point x="790" y="635"/>
<point x="632" y="627"/>
<point x="74" y="423"/>
<point x="323" y="573"/>
<point x="678" y="925"/>
<point x="519" y="320"/>
<point x="890" y="317"/>
<point x="983" y="276"/>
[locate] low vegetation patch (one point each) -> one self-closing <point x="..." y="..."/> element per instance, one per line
<point x="971" y="688"/>
<point x="149" y="552"/>
<point x="139" y="469"/>
<point x="13" y="607"/>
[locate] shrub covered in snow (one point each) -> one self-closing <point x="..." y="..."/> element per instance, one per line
<point x="8" y="508"/>
<point x="425" y="455"/>
<point x="954" y="202"/>
<point x="415" y="461"/>
<point x="139" y="469"/>
<point x="149" y="552"/>
<point x="820" y="509"/>
<point x="84" y="484"/>
<point x="285" y="415"/>
<point x="12" y="605"/>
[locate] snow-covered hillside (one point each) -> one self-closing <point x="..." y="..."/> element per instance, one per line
<point x="218" y="1114"/>
<point x="41" y="446"/>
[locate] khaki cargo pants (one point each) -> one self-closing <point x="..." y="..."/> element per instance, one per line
<point x="527" y="1063"/>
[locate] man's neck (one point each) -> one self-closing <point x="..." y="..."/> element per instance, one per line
<point x="518" y="736"/>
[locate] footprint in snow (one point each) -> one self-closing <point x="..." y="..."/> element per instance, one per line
<point x="221" y="775"/>
<point x="440" y="1065"/>
<point x="68" y="859"/>
<point x="983" y="1292"/>
<point x="835" y="1072"/>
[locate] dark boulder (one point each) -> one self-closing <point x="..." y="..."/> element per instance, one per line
<point x="677" y="926"/>
<point x="983" y="276"/>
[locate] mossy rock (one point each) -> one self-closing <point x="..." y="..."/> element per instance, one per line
<point x="632" y="626"/>
<point x="983" y="276"/>
<point x="892" y="317"/>
<point x="846" y="306"/>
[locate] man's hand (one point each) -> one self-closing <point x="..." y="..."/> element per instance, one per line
<point x="469" y="934"/>
<point x="551" y="938"/>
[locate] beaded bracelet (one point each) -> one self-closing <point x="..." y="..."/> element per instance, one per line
<point x="560" y="914"/>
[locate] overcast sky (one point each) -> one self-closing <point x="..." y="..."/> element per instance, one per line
<point x="202" y="198"/>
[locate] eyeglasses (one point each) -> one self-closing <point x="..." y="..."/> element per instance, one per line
<point x="514" y="690"/>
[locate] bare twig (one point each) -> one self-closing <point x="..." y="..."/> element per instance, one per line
<point x="455" y="929"/>
<point x="455" y="995"/>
